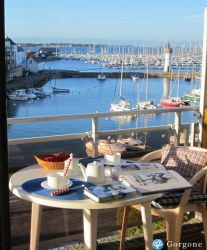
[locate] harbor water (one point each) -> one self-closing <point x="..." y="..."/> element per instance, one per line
<point x="89" y="95"/>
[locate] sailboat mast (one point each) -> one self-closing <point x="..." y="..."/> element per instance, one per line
<point x="178" y="88"/>
<point x="147" y="78"/>
<point x="171" y="78"/>
<point x="121" y="82"/>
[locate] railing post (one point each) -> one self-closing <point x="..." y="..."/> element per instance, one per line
<point x="94" y="136"/>
<point x="177" y="127"/>
<point x="192" y="134"/>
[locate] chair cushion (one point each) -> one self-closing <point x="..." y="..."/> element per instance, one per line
<point x="187" y="162"/>
<point x="172" y="199"/>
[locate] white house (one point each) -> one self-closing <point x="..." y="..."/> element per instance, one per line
<point x="33" y="64"/>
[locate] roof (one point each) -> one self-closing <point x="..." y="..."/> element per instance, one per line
<point x="20" y="49"/>
<point x="7" y="39"/>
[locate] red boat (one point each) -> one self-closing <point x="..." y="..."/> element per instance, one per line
<point x="174" y="102"/>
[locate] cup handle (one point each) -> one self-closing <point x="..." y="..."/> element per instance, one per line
<point x="108" y="171"/>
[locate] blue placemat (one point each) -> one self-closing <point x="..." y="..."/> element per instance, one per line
<point x="34" y="187"/>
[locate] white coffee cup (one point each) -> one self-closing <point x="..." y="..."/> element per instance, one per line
<point x="114" y="158"/>
<point x="56" y="180"/>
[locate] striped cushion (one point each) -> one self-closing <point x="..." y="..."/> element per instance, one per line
<point x="185" y="161"/>
<point x="172" y="199"/>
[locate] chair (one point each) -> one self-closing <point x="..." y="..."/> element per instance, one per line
<point x="172" y="206"/>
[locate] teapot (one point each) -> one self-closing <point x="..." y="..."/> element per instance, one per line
<point x="94" y="172"/>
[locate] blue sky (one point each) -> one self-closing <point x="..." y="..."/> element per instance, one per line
<point x="110" y="21"/>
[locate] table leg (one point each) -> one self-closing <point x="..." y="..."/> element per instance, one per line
<point x="147" y="224"/>
<point x="35" y="226"/>
<point x="90" y="228"/>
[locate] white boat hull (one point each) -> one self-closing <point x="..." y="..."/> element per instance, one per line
<point x="17" y="98"/>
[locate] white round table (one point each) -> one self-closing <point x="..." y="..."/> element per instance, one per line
<point x="89" y="207"/>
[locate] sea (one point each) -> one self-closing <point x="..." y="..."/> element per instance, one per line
<point x="89" y="95"/>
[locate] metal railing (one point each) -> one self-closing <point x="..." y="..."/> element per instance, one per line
<point x="95" y="133"/>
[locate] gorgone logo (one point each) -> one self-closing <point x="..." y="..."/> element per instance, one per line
<point x="157" y="244"/>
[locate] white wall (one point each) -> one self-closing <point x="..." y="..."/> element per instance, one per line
<point x="32" y="65"/>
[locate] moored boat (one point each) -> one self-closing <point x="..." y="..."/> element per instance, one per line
<point x="146" y="105"/>
<point x="194" y="96"/>
<point x="101" y="76"/>
<point x="121" y="105"/>
<point x="135" y="78"/>
<point x="174" y="102"/>
<point x="18" y="95"/>
<point x="60" y="90"/>
<point x="31" y="93"/>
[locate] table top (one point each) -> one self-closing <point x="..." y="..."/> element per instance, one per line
<point x="20" y="181"/>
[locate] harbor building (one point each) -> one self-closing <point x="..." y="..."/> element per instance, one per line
<point x="168" y="53"/>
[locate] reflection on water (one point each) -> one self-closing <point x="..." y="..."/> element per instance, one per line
<point x="123" y="120"/>
<point x="166" y="88"/>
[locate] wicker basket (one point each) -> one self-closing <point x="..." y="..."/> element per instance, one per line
<point x="49" y="164"/>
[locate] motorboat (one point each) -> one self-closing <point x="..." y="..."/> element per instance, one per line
<point x="135" y="78"/>
<point x="101" y="76"/>
<point x="18" y="95"/>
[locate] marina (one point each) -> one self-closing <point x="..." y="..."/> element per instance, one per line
<point x="98" y="97"/>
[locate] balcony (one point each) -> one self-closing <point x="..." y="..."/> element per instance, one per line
<point x="68" y="227"/>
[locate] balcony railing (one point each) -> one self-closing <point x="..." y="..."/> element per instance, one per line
<point x="95" y="133"/>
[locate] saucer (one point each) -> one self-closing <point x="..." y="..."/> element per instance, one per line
<point x="105" y="162"/>
<point x="44" y="185"/>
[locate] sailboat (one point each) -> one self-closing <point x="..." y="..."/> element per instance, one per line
<point x="122" y="104"/>
<point x="56" y="90"/>
<point x="173" y="102"/>
<point x="194" y="95"/>
<point x="147" y="104"/>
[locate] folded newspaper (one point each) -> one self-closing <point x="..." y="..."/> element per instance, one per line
<point x="148" y="178"/>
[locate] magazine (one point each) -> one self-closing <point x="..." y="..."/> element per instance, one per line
<point x="131" y="167"/>
<point x="148" y="178"/>
<point x="108" y="192"/>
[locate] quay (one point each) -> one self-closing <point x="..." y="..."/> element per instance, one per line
<point x="40" y="78"/>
